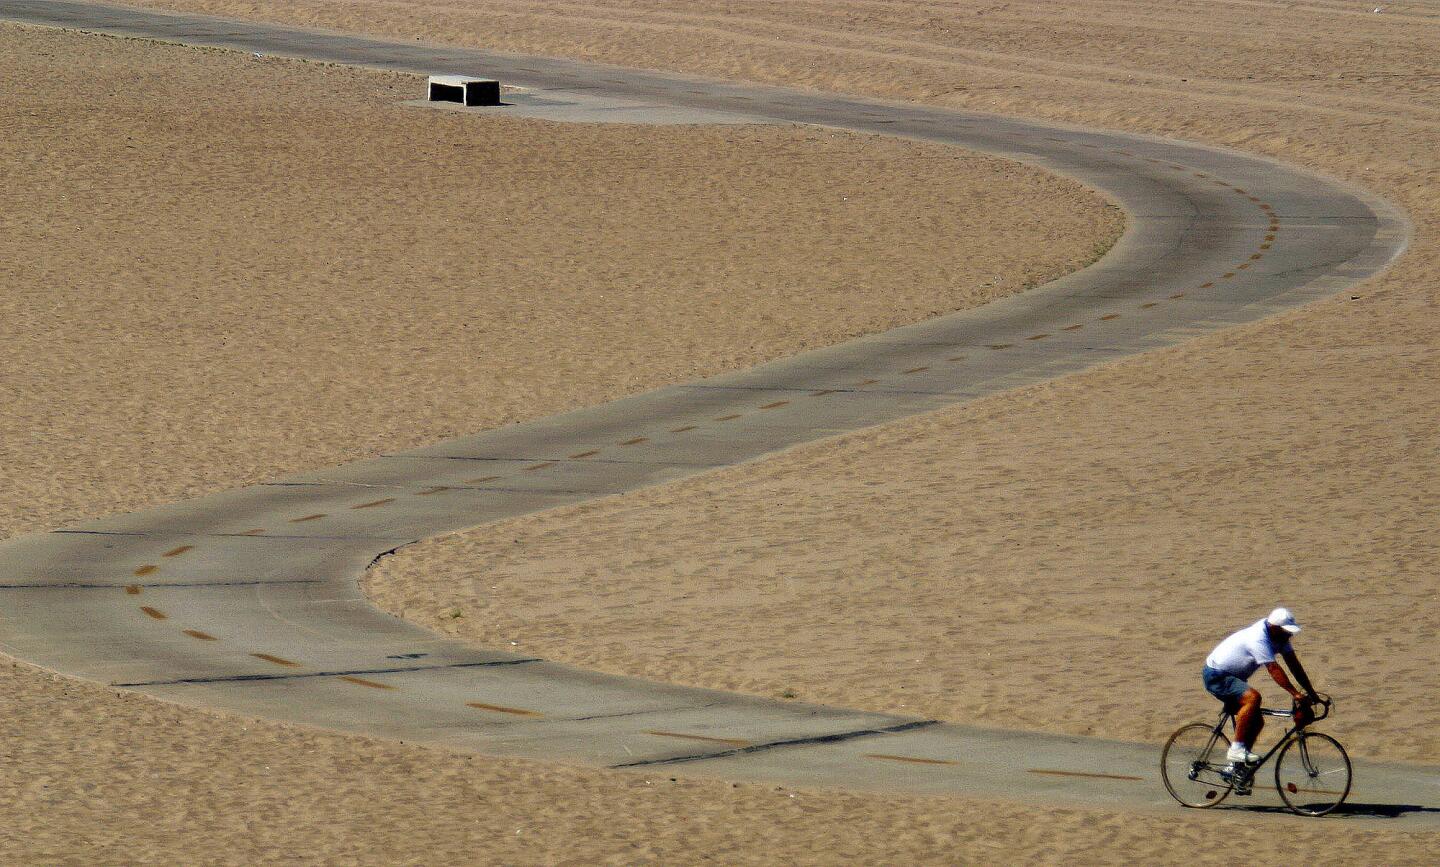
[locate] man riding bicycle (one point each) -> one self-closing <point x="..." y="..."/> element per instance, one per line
<point x="1233" y="660"/>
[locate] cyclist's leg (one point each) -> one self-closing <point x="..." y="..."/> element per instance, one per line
<point x="1248" y="719"/>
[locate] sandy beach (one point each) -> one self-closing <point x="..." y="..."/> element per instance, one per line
<point x="980" y="564"/>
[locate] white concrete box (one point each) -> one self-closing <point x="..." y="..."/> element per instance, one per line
<point x="464" y="90"/>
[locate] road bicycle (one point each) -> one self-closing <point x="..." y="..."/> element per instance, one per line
<point x="1312" y="771"/>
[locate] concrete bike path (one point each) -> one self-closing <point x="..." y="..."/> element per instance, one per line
<point x="248" y="600"/>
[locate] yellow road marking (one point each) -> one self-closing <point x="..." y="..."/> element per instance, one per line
<point x="373" y="503"/>
<point x="153" y="612"/>
<point x="147" y="569"/>
<point x="533" y="467"/>
<point x="636" y="441"/>
<point x="1085" y="774"/>
<point x="1037" y="337"/>
<point x="481" y="480"/>
<point x="1072" y="328"/>
<point x="728" y="417"/>
<point x="176" y="552"/>
<point x="275" y="659"/>
<point x="776" y="405"/>
<point x="910" y="759"/>
<point x="683" y="429"/>
<point x="203" y="636"/>
<point x="314" y="517"/>
<point x="437" y="489"/>
<point x="590" y="454"/>
<point x="133" y="590"/>
<point x="1107" y="317"/>
<point x="497" y="708"/>
<point x="360" y="681"/>
<point x="734" y="742"/>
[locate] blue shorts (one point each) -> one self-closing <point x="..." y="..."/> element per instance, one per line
<point x="1226" y="687"/>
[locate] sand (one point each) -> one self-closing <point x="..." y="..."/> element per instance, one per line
<point x="1119" y="520"/>
<point x="200" y="294"/>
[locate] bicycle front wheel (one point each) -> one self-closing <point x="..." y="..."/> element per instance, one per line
<point x="1312" y="773"/>
<point x="1192" y="765"/>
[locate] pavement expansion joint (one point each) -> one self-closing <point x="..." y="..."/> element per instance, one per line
<point x="813" y="740"/>
<point x="305" y="675"/>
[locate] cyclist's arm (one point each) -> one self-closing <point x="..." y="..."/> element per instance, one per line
<point x="1299" y="671"/>
<point x="1279" y="674"/>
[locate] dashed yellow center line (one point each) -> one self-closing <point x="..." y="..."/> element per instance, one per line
<point x="688" y="427"/>
<point x="373" y="503"/>
<point x="1267" y="245"/>
<point x="866" y="382"/>
<point x="824" y="391"/>
<point x="1001" y="345"/>
<point x="314" y="517"/>
<point x="540" y="466"/>
<point x="437" y="489"/>
<point x="176" y="552"/>
<point x="1085" y="774"/>
<point x="1241" y="192"/>
<point x="914" y="760"/>
<point x="1147" y="305"/>
<point x="201" y="636"/>
<point x="1177" y="296"/>
<point x="153" y="612"/>
<point x="956" y="358"/>
<point x="500" y="708"/>
<point x="728" y="417"/>
<point x="915" y="370"/>
<point x="776" y="405"/>
<point x="1037" y="337"/>
<point x="1207" y="285"/>
<point x="147" y="569"/>
<point x="1256" y="256"/>
<point x="360" y="681"/>
<point x="481" y="480"/>
<point x="258" y="531"/>
<point x="132" y="590"/>
<point x="1242" y="267"/>
<point x="636" y="441"/>
<point x="1227" y="275"/>
<point x="1072" y="328"/>
<point x="734" y="742"/>
<point x="1107" y="317"/>
<point x="277" y="660"/>
<point x="582" y="455"/>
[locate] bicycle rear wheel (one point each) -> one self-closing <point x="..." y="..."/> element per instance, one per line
<point x="1192" y="763"/>
<point x="1312" y="773"/>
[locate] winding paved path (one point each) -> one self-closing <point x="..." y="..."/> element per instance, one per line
<point x="248" y="600"/>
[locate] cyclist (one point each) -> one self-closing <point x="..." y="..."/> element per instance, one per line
<point x="1233" y="660"/>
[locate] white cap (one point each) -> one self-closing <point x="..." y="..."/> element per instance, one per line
<point x="1282" y="618"/>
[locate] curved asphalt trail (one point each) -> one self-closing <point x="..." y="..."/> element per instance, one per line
<point x="248" y="601"/>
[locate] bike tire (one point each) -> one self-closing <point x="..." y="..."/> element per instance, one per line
<point x="1316" y="778"/>
<point x="1186" y="766"/>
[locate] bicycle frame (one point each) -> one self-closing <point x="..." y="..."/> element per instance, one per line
<point x="1247" y="772"/>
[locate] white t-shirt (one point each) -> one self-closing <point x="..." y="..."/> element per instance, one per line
<point x="1245" y="651"/>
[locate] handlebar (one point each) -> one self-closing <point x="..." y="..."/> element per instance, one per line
<point x="1320" y="708"/>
